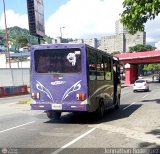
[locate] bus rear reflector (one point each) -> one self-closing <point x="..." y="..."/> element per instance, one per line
<point x="78" y="106"/>
<point x="81" y="96"/>
<point x="35" y="95"/>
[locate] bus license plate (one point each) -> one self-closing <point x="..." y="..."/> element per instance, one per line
<point x="57" y="106"/>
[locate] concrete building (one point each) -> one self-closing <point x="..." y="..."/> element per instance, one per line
<point x="122" y="40"/>
<point x="57" y="40"/>
<point x="92" y="42"/>
<point x="77" y="41"/>
<point x="112" y="43"/>
<point x="132" y="40"/>
<point x="119" y="28"/>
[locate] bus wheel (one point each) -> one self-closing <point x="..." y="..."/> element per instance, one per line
<point x="117" y="106"/>
<point x="53" y="115"/>
<point x="101" y="109"/>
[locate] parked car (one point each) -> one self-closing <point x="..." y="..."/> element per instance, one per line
<point x="141" y="85"/>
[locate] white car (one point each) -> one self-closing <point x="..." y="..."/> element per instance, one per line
<point x="141" y="85"/>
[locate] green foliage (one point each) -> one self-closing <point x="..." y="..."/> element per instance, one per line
<point x="115" y="52"/>
<point x="137" y="12"/>
<point x="152" y="67"/>
<point x="2" y="38"/>
<point x="141" y="48"/>
<point x="22" y="35"/>
<point x="21" y="41"/>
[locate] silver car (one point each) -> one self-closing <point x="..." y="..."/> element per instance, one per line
<point x="141" y="85"/>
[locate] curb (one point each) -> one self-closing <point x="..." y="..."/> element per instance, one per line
<point x="24" y="102"/>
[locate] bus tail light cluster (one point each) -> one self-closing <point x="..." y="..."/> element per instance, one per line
<point x="81" y="96"/>
<point x="35" y="95"/>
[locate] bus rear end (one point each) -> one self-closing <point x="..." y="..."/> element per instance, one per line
<point x="58" y="78"/>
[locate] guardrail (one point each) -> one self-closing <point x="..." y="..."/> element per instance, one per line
<point x="13" y="90"/>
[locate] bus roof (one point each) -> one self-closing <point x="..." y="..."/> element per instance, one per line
<point x="67" y="45"/>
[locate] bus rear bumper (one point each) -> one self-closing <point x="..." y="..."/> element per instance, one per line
<point x="60" y="107"/>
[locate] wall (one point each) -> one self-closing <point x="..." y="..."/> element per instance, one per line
<point x="20" y="77"/>
<point x="14" y="63"/>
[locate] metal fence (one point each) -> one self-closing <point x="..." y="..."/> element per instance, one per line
<point x="14" y="77"/>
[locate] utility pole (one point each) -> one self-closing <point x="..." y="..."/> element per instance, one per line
<point x="7" y="45"/>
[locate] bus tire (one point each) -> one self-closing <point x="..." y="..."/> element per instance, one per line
<point x="53" y="115"/>
<point x="101" y="109"/>
<point x="117" y="105"/>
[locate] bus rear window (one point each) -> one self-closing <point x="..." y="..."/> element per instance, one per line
<point x="58" y="60"/>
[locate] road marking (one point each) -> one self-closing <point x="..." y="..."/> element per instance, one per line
<point x="16" y="127"/>
<point x="145" y="96"/>
<point x="128" y="106"/>
<point x="73" y="141"/>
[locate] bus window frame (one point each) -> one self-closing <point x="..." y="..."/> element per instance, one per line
<point x="49" y="72"/>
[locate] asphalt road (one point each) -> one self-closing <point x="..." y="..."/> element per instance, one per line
<point x="135" y="127"/>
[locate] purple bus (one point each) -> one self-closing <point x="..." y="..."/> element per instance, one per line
<point x="72" y="78"/>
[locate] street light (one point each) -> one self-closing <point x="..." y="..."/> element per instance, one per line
<point x="61" y="32"/>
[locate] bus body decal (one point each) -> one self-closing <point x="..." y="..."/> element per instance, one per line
<point x="40" y="87"/>
<point x="75" y="87"/>
<point x="100" y="88"/>
<point x="58" y="83"/>
<point x="72" y="58"/>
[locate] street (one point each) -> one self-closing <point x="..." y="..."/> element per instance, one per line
<point x="135" y="126"/>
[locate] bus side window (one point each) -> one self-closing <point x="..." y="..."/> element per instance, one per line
<point x="100" y="67"/>
<point x="107" y="67"/>
<point x="92" y="65"/>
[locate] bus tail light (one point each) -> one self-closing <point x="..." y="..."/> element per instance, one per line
<point x="35" y="95"/>
<point x="81" y="96"/>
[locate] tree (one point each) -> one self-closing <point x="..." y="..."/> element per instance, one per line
<point x="21" y="41"/>
<point x="152" y="67"/>
<point x="2" y="41"/>
<point x="137" y="12"/>
<point x="141" y="48"/>
<point x="2" y="38"/>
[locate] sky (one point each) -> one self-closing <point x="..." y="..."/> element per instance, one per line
<point x="80" y="18"/>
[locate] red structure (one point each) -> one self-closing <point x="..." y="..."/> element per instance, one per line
<point x="130" y="60"/>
